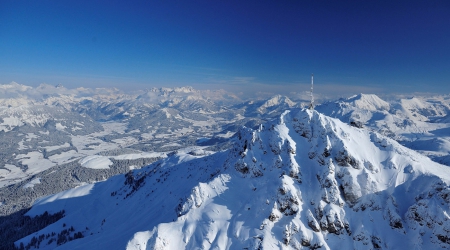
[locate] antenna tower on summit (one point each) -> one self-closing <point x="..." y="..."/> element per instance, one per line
<point x="311" y="105"/>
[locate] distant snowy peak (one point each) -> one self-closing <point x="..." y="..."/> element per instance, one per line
<point x="275" y="104"/>
<point x="190" y="93"/>
<point x="278" y="100"/>
<point x="357" y="110"/>
<point x="419" y="109"/>
<point x="79" y="98"/>
<point x="368" y="102"/>
<point x="187" y="99"/>
<point x="396" y="115"/>
<point x="187" y="89"/>
<point x="52" y="95"/>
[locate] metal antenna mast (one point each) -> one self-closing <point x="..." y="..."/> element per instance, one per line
<point x="311" y="105"/>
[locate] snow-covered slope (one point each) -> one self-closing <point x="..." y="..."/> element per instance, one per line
<point x="419" y="109"/>
<point x="402" y="116"/>
<point x="410" y="121"/>
<point x="277" y="101"/>
<point x="270" y="107"/>
<point x="368" y="102"/>
<point x="359" y="110"/>
<point x="302" y="181"/>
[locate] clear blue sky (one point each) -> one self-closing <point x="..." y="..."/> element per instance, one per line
<point x="390" y="46"/>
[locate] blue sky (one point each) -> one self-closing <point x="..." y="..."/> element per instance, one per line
<point x="252" y="46"/>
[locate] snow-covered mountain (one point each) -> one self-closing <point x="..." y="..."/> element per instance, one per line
<point x="413" y="114"/>
<point x="419" y="123"/>
<point x="46" y="131"/>
<point x="17" y="102"/>
<point x="359" y="109"/>
<point x="270" y="107"/>
<point x="54" y="138"/>
<point x="301" y="181"/>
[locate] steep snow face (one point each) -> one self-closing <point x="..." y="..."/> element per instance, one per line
<point x="302" y="181"/>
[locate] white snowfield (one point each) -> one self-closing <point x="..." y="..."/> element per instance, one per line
<point x="34" y="160"/>
<point x="140" y="155"/>
<point x="96" y="162"/>
<point x="302" y="181"/>
<point x="104" y="162"/>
